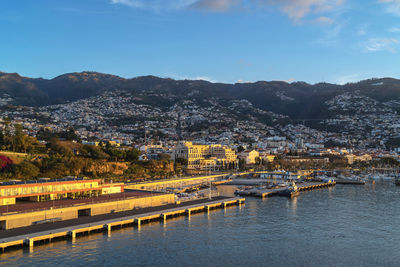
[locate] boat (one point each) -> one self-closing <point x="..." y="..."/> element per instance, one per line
<point x="291" y="191"/>
<point x="353" y="179"/>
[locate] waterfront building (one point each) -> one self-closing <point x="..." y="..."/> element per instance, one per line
<point x="46" y="189"/>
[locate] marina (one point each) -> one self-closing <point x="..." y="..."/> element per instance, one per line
<point x="328" y="227"/>
<point x="31" y="236"/>
<point x="266" y="192"/>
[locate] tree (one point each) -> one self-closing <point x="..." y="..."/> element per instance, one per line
<point x="70" y="135"/>
<point x="5" y="163"/>
<point x="132" y="155"/>
<point x="164" y="157"/>
<point x="182" y="161"/>
<point x="57" y="149"/>
<point x="2" y="140"/>
<point x="242" y="164"/>
<point x="45" y="134"/>
<point x="25" y="170"/>
<point x="93" y="152"/>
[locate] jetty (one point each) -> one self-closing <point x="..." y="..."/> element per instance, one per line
<point x="305" y="186"/>
<point x="71" y="229"/>
<point x="349" y="181"/>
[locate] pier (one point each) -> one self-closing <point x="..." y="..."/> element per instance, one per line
<point x="354" y="182"/>
<point x="45" y="233"/>
<point x="305" y="186"/>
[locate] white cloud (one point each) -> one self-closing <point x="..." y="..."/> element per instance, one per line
<point x="393" y="6"/>
<point x="131" y="3"/>
<point x="298" y="9"/>
<point x="350" y="78"/>
<point x="324" y="20"/>
<point x="244" y="81"/>
<point x="216" y="5"/>
<point x="193" y="78"/>
<point x="381" y="44"/>
<point x="362" y="30"/>
<point x="294" y="9"/>
<point x="394" y="29"/>
<point x="331" y="34"/>
<point x="157" y="5"/>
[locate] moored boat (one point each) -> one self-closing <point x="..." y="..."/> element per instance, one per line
<point x="291" y="191"/>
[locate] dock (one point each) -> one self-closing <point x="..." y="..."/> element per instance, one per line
<point x="30" y="236"/>
<point x="305" y="186"/>
<point x="354" y="182"/>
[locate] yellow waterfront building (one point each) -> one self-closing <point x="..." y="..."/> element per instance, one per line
<point x="204" y="157"/>
<point x="46" y="189"/>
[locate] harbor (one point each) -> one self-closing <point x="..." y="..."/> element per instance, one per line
<point x="316" y="224"/>
<point x="95" y="207"/>
<point x="38" y="234"/>
<point x="269" y="192"/>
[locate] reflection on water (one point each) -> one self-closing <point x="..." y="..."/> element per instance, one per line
<point x="348" y="225"/>
<point x="293" y="205"/>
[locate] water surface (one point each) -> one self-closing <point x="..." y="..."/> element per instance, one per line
<point x="345" y="225"/>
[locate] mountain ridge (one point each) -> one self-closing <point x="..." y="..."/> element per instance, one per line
<point x="296" y="100"/>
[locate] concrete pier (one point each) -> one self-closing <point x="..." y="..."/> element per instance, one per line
<point x="72" y="232"/>
<point x="306" y="186"/>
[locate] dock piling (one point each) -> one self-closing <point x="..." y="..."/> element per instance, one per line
<point x="107" y="225"/>
<point x="188" y="212"/>
<point x="29" y="242"/>
<point x="72" y="234"/>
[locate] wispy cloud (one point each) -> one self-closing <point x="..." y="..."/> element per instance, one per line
<point x="193" y="78"/>
<point x="393" y="6"/>
<point x="298" y="9"/>
<point x="156" y="5"/>
<point x="381" y="44"/>
<point x="362" y="30"/>
<point x="350" y="78"/>
<point x="131" y="3"/>
<point x="394" y="29"/>
<point x="294" y="9"/>
<point x="216" y="5"/>
<point x="324" y="20"/>
<point x="331" y="35"/>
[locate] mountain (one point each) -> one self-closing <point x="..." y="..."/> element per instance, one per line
<point x="22" y="90"/>
<point x="297" y="100"/>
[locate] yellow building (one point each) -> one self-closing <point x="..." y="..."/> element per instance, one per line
<point x="351" y="158"/>
<point x="45" y="190"/>
<point x="270" y="158"/>
<point x="203" y="157"/>
<point x="249" y="156"/>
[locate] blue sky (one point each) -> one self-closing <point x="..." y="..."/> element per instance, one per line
<point x="219" y="40"/>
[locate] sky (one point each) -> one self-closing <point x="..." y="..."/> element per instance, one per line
<point x="230" y="41"/>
